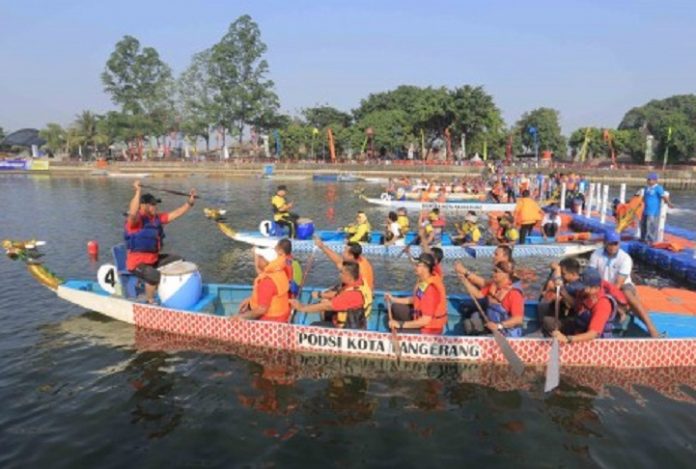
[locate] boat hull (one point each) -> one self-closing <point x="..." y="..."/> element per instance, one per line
<point x="454" y="206"/>
<point x="612" y="353"/>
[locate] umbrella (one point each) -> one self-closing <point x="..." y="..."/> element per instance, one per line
<point x="23" y="138"/>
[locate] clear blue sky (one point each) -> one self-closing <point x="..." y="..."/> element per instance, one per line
<point x="591" y="60"/>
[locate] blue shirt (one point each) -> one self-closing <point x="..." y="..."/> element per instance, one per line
<point x="652" y="196"/>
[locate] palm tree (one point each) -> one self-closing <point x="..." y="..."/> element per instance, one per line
<point x="85" y="126"/>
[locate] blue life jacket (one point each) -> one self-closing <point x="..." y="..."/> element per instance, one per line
<point x="149" y="238"/>
<point x="496" y="313"/>
<point x="582" y="320"/>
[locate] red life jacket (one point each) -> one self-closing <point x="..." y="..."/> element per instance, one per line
<point x="439" y="318"/>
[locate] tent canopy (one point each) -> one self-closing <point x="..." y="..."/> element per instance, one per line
<point x="23" y="138"/>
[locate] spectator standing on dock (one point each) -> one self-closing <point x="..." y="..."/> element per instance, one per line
<point x="527" y="214"/>
<point x="615" y="266"/>
<point x="653" y="196"/>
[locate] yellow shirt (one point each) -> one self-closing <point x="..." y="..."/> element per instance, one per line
<point x="404" y="224"/>
<point x="278" y="203"/>
<point x="359" y="233"/>
<point x="471" y="230"/>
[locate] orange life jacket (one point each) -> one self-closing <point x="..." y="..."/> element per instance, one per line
<point x="439" y="319"/>
<point x="366" y="272"/>
<point x="279" y="309"/>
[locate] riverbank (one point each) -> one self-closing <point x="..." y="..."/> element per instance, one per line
<point x="682" y="178"/>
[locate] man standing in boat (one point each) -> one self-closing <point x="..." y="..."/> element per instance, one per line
<point x="615" y="266"/>
<point x="144" y="235"/>
<point x="281" y="211"/>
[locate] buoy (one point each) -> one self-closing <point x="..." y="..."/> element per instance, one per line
<point x="93" y="249"/>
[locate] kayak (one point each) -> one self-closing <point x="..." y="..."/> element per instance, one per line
<point x="208" y="317"/>
<point x="336" y="241"/>
<point x="389" y="202"/>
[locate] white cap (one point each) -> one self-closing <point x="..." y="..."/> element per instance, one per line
<point x="267" y="253"/>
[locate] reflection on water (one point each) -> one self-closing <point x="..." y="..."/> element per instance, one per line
<point x="81" y="390"/>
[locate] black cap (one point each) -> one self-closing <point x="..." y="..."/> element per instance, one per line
<point x="282" y="187"/>
<point x="426" y="259"/>
<point x="149" y="199"/>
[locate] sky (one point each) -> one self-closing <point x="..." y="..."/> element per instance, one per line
<point x="590" y="60"/>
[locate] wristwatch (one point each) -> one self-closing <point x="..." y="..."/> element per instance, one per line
<point x="500" y="326"/>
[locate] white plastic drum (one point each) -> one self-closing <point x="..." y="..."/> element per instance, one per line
<point x="180" y="285"/>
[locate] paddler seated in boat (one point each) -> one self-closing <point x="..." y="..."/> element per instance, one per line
<point x="402" y="220"/>
<point x="270" y="295"/>
<point x="281" y="211"/>
<point x="144" y="235"/>
<point x="566" y="276"/>
<point x="432" y="228"/>
<point x="349" y="307"/>
<point x="507" y="233"/>
<point x="551" y="223"/>
<point x="615" y="266"/>
<point x="503" y="302"/>
<point x="358" y="232"/>
<point x="352" y="252"/>
<point x="595" y="313"/>
<point x="424" y="312"/>
<point x="502" y="253"/>
<point x="468" y="233"/>
<point x="392" y="232"/>
<point x="292" y="267"/>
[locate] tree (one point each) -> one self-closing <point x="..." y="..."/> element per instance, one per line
<point x="391" y="130"/>
<point x="474" y="113"/>
<point x="545" y="121"/>
<point x="87" y="127"/>
<point x="243" y="94"/>
<point x="2" y="133"/>
<point x="325" y="116"/>
<point x="656" y="118"/>
<point x="138" y="80"/>
<point x="197" y="105"/>
<point x="55" y="137"/>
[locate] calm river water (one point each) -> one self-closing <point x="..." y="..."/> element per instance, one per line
<point x="79" y="390"/>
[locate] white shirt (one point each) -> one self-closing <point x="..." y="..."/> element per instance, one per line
<point x="549" y="219"/>
<point x="611" y="267"/>
<point x="395" y="229"/>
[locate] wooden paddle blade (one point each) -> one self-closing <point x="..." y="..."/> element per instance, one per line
<point x="553" y="367"/>
<point x="513" y="359"/>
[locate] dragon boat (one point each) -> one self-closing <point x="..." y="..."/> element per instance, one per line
<point x="387" y="201"/>
<point x="202" y="312"/>
<point x="269" y="234"/>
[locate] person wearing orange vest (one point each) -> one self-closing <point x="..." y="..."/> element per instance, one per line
<point x="349" y="308"/>
<point x="424" y="312"/>
<point x="269" y="300"/>
<point x="351" y="252"/>
<point x="527" y="214"/>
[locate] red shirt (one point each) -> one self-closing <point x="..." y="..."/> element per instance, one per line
<point x="613" y="290"/>
<point x="600" y="312"/>
<point x="133" y="259"/>
<point x="347" y="299"/>
<point x="429" y="301"/>
<point x="513" y="302"/>
<point x="266" y="291"/>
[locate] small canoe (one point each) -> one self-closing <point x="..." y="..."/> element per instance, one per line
<point x="388" y="202"/>
<point x="209" y="318"/>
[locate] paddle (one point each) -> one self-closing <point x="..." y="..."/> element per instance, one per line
<point x="394" y="337"/>
<point x="553" y="368"/>
<point x="509" y="354"/>
<point x="308" y="268"/>
<point x="183" y="194"/>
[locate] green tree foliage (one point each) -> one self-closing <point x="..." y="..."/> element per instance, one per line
<point x="55" y="137"/>
<point x="2" y="133"/>
<point x="197" y="106"/>
<point x="137" y="80"/>
<point x="431" y="110"/>
<point x="545" y="120"/>
<point x="238" y="72"/>
<point x="325" y="116"/>
<point x="296" y="138"/>
<point x="391" y="130"/>
<point x="656" y="117"/>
